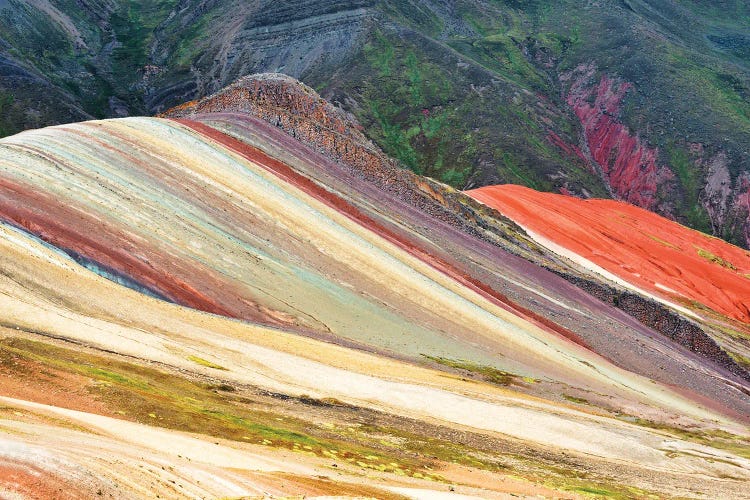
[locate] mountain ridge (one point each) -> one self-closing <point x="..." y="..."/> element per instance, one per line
<point x="316" y="123"/>
<point x="475" y="93"/>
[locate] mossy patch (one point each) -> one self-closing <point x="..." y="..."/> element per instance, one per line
<point x="205" y="362"/>
<point x="487" y="373"/>
<point x="711" y="257"/>
<point x="577" y="400"/>
<point x="155" y="397"/>
<point x="661" y="241"/>
<point x="715" y="438"/>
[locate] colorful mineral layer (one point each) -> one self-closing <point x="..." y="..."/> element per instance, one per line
<point x="638" y="246"/>
<point x="246" y="298"/>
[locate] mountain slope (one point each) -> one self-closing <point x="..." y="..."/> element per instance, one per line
<point x="287" y="259"/>
<point x="647" y="253"/>
<point x="611" y="98"/>
<point x="254" y="272"/>
<point x="94" y="312"/>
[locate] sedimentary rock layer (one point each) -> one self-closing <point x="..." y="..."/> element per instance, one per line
<point x="638" y="246"/>
<point x="258" y="245"/>
<point x="690" y="287"/>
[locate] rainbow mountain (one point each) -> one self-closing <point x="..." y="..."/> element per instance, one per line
<point x="245" y="297"/>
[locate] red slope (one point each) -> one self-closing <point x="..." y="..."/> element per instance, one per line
<point x="300" y="181"/>
<point x="628" y="164"/>
<point x="639" y="246"/>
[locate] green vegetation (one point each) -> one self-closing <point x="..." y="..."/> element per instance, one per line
<point x="590" y="487"/>
<point x="734" y="333"/>
<point x="155" y="397"/>
<point x="661" y="241"/>
<point x="469" y="95"/>
<point x="721" y="89"/>
<point x="574" y="399"/>
<point x="487" y="373"/>
<point x="134" y="24"/>
<point x="715" y="438"/>
<point x="352" y="435"/>
<point x="408" y="112"/>
<point x="62" y="59"/>
<point x="741" y="360"/>
<point x="492" y="458"/>
<point x="516" y="171"/>
<point x="380" y="55"/>
<point x="203" y="362"/>
<point x="502" y="52"/>
<point x="414" y="15"/>
<point x="415" y="104"/>
<point x="394" y="139"/>
<point x="715" y="259"/>
<point x="593" y="491"/>
<point x="692" y="183"/>
<point x="7" y="127"/>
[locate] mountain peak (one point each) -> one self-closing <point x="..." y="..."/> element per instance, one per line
<point x="278" y="99"/>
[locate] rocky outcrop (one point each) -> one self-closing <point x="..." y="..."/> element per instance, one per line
<point x="290" y="105"/>
<point x="636" y="172"/>
<point x="627" y="164"/>
<point x="498" y="111"/>
<point x="641" y="252"/>
<point x="662" y="319"/>
<point x="717" y="192"/>
<point x="252" y="37"/>
<point x="741" y="205"/>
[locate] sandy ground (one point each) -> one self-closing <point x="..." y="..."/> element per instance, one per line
<point x="528" y="290"/>
<point x="121" y="459"/>
<point x="247" y="362"/>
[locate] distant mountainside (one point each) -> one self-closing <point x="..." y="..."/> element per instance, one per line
<point x="641" y="100"/>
